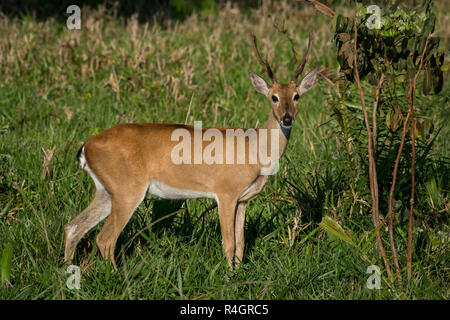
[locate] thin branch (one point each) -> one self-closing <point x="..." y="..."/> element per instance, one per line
<point x="397" y="162"/>
<point x="413" y="160"/>
<point x="391" y="197"/>
<point x="372" y="164"/>
<point x="390" y="213"/>
<point x="411" y="201"/>
<point x="375" y="105"/>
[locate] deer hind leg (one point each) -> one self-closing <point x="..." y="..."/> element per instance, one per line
<point x="122" y="208"/>
<point x="239" y="231"/>
<point x="227" y="210"/>
<point x="98" y="209"/>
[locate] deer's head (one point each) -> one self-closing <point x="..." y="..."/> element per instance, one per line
<point x="284" y="98"/>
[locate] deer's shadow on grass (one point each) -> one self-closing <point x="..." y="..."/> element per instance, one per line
<point x="173" y="218"/>
<point x="161" y="218"/>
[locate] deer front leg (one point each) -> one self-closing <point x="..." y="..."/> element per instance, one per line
<point x="239" y="231"/>
<point x="227" y="209"/>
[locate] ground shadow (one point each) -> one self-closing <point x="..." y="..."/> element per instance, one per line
<point x="184" y="225"/>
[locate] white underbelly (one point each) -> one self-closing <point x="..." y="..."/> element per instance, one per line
<point x="160" y="190"/>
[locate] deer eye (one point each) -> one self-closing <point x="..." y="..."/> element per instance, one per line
<point x="274" y="99"/>
<point x="296" y="97"/>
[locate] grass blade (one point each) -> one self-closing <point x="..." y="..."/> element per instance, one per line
<point x="332" y="227"/>
<point x="6" y="263"/>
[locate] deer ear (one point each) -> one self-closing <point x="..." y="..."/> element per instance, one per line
<point x="308" y="81"/>
<point x="259" y="84"/>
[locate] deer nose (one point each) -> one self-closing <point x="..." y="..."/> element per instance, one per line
<point x="287" y="120"/>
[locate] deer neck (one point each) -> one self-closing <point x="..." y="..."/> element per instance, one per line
<point x="283" y="133"/>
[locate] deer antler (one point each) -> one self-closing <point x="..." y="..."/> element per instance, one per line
<point x="302" y="64"/>
<point x="265" y="64"/>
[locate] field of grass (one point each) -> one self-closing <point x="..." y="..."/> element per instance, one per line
<point x="60" y="86"/>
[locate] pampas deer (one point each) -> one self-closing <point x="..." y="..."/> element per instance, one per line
<point x="129" y="161"/>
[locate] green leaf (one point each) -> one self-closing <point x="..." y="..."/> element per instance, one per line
<point x="309" y="235"/>
<point x="333" y="228"/>
<point x="427" y="80"/>
<point x="341" y="23"/>
<point x="180" y="281"/>
<point x="6" y="263"/>
<point x="411" y="45"/>
<point x="438" y="80"/>
<point x="410" y="67"/>
<point x="388" y="118"/>
<point x="371" y="242"/>
<point x="353" y="105"/>
<point x="429" y="25"/>
<point x="420" y="45"/>
<point x="445" y="67"/>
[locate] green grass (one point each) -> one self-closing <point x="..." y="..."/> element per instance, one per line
<point x="58" y="87"/>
